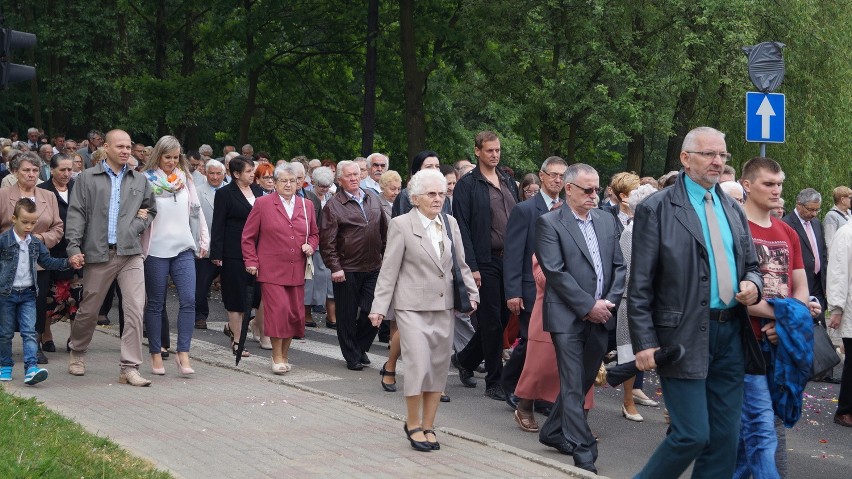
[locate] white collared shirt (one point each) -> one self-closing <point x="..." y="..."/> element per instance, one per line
<point x="288" y="205"/>
<point x="372" y="184"/>
<point x="548" y="200"/>
<point x="436" y="236"/>
<point x="23" y="275"/>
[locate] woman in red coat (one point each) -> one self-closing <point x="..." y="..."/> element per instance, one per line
<point x="280" y="235"/>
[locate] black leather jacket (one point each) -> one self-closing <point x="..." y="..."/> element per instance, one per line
<point x="669" y="291"/>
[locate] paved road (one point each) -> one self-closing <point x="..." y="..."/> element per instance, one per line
<point x="816" y="447"/>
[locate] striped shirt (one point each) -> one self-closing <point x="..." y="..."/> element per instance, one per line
<point x="588" y="230"/>
<point x="114" y="201"/>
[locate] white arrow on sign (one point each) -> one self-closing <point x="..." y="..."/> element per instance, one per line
<point x="764" y="112"/>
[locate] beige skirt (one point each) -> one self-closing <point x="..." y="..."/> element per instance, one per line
<point x="426" y="341"/>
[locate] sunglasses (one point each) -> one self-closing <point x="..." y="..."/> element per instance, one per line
<point x="587" y="191"/>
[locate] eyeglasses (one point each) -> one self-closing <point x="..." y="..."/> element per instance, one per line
<point x="553" y="176"/>
<point x="812" y="210"/>
<point x="287" y="181"/>
<point x="267" y="178"/>
<point x="531" y="191"/>
<point x="435" y="194"/>
<point x="587" y="191"/>
<point x="709" y="155"/>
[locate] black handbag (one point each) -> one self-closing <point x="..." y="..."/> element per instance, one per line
<point x="825" y="357"/>
<point x="461" y="300"/>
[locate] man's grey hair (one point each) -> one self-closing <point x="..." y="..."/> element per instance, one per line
<point x="214" y="164"/>
<point x="638" y="195"/>
<point x="374" y="156"/>
<point x="808" y="195"/>
<point x="346" y="164"/>
<point x="230" y="156"/>
<point x="289" y="168"/>
<point x="32" y="130"/>
<point x="552" y="160"/>
<point x="205" y="150"/>
<point x="574" y="170"/>
<point x="322" y="176"/>
<point x="422" y="179"/>
<point x="691" y="138"/>
<point x="45" y="147"/>
<point x="94" y="133"/>
<point x="245" y="147"/>
<point x="27" y="156"/>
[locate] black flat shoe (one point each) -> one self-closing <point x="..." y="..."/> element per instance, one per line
<point x="41" y="358"/>
<point x="391" y="388"/>
<point x="465" y="375"/>
<point x="435" y="445"/>
<point x="422" y="446"/>
<point x="445" y="397"/>
<point x="164" y="354"/>
<point x="331" y="325"/>
<point x="68" y="346"/>
<point x="311" y="324"/>
<point x="48" y="346"/>
<point x="365" y="359"/>
<point x="356" y="366"/>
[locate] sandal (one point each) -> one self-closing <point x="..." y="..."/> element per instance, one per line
<point x="527" y="423"/>
<point x="391" y="388"/>
<point x="434" y="444"/>
<point x="228" y="332"/>
<point x="235" y="347"/>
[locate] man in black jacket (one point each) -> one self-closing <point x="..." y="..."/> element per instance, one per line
<point x="694" y="270"/>
<point x="482" y="202"/>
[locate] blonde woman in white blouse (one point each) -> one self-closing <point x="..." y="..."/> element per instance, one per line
<point x="177" y="235"/>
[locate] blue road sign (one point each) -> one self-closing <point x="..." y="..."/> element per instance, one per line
<point x="765" y="117"/>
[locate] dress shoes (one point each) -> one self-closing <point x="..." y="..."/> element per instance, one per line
<point x="200" y="324"/>
<point x="826" y="379"/>
<point x="422" y="446"/>
<point x="365" y="359"/>
<point x="543" y="407"/>
<point x="434" y="444"/>
<point x="356" y="366"/>
<point x="310" y="324"/>
<point x="631" y="417"/>
<point x="589" y="466"/>
<point x="512" y="400"/>
<point x="843" y="419"/>
<point x="563" y="447"/>
<point x="133" y="378"/>
<point x="49" y="346"/>
<point x="330" y="324"/>
<point x="496" y="393"/>
<point x="40" y="357"/>
<point x="445" y="397"/>
<point x="465" y="375"/>
<point x="389" y="387"/>
<point x="643" y="400"/>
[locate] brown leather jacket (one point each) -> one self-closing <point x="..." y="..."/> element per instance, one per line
<point x="348" y="241"/>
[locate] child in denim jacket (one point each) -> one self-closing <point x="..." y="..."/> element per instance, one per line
<point x="19" y="253"/>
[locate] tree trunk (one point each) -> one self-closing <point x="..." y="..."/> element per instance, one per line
<point x="160" y="39"/>
<point x="414" y="82"/>
<point x="571" y="147"/>
<point x="368" y="116"/>
<point x="189" y="132"/>
<point x="35" y="99"/>
<point x="253" y="77"/>
<point x="683" y="116"/>
<point x="636" y="153"/>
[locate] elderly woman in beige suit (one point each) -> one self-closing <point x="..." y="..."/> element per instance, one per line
<point x="417" y="275"/>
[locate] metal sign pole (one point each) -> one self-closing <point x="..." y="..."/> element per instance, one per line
<point x="763" y="150"/>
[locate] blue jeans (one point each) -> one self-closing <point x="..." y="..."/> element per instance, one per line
<point x="705" y="421"/>
<point x="157" y="272"/>
<point x="758" y="442"/>
<point x="20" y="307"/>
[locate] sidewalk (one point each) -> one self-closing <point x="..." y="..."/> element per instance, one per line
<point x="248" y="423"/>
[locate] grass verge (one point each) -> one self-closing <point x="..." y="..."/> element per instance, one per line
<point x="36" y="442"/>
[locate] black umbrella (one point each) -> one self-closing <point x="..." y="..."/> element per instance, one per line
<point x="241" y="345"/>
<point x="662" y="356"/>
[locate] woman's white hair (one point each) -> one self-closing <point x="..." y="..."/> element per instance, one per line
<point x="424" y="178"/>
<point x="638" y="195"/>
<point x="322" y="176"/>
<point x="287" y="168"/>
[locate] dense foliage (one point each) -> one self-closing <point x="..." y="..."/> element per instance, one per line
<point x="615" y="83"/>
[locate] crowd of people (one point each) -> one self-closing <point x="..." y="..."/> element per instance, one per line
<point x="536" y="283"/>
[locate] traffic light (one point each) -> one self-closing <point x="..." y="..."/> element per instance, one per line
<point x="12" y="72"/>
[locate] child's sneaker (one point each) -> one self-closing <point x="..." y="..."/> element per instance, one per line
<point x="6" y="373"/>
<point x="35" y="375"/>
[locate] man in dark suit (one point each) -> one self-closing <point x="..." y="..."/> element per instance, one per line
<point x="578" y="250"/>
<point x="804" y="220"/>
<point x="205" y="270"/>
<point x="518" y="280"/>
